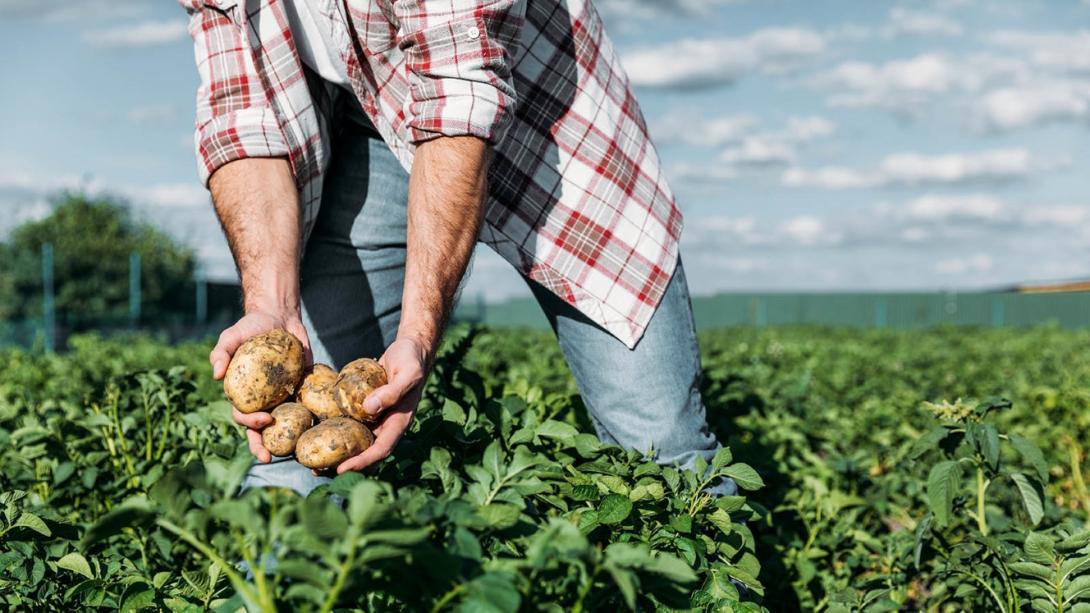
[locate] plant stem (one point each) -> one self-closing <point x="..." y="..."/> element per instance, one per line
<point x="342" y="573"/>
<point x="1076" y="473"/>
<point x="445" y="600"/>
<point x="236" y="580"/>
<point x="981" y="487"/>
<point x="583" y="591"/>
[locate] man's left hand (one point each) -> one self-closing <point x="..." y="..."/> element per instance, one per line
<point x="406" y="364"/>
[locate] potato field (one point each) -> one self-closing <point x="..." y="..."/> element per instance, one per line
<point x="937" y="470"/>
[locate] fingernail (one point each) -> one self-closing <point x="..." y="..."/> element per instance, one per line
<point x="371" y="406"/>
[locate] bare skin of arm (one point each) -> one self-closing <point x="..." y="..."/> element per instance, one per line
<point x="257" y="205"/>
<point x="447" y="189"/>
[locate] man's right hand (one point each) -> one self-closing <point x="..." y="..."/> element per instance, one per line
<point x="252" y="324"/>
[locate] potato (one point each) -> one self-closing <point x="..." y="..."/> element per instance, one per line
<point x="264" y="371"/>
<point x="357" y="380"/>
<point x="331" y="442"/>
<point x="290" y="421"/>
<point x="316" y="393"/>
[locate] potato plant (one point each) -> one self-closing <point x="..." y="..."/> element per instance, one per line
<point x="937" y="470"/>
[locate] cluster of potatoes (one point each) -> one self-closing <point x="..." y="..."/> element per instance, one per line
<point x="317" y="414"/>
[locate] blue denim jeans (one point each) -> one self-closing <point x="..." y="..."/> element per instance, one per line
<point x="353" y="269"/>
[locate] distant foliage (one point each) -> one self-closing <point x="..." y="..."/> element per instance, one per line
<point x="92" y="238"/>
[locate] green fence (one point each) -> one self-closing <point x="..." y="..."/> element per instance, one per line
<point x="893" y="310"/>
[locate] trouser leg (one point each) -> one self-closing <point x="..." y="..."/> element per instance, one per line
<point x="352" y="273"/>
<point x="646" y="398"/>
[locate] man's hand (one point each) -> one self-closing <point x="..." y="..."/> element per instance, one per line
<point x="252" y="324"/>
<point x="406" y="365"/>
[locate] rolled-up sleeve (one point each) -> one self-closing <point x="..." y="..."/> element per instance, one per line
<point x="235" y="119"/>
<point x="458" y="58"/>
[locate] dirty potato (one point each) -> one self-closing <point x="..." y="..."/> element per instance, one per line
<point x="331" y="442"/>
<point x="357" y="380"/>
<point x="316" y="393"/>
<point x="264" y="371"/>
<point x="290" y="421"/>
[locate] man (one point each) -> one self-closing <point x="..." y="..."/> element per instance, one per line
<point x="357" y="149"/>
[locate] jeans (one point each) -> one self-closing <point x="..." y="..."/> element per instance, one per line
<point x="353" y="270"/>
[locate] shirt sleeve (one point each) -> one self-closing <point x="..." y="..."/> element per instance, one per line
<point x="235" y="119"/>
<point x="458" y="59"/>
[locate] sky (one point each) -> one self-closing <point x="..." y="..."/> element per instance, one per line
<point x="813" y="145"/>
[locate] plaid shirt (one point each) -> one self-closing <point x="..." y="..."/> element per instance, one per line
<point x="577" y="197"/>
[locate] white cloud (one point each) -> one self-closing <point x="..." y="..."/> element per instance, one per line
<point x="677" y="127"/>
<point x="809" y="231"/>
<point x="759" y="151"/>
<point x="651" y="9"/>
<point x="911" y="169"/>
<point x="700" y="63"/>
<point x="1033" y="103"/>
<point x="905" y="22"/>
<point x="938" y="209"/>
<point x="141" y="34"/>
<point x="744" y="143"/>
<point x="72" y="10"/>
<point x="182" y="195"/>
<point x="700" y="173"/>
<point x="1063" y="51"/>
<point x="978" y="263"/>
<point x="905" y="86"/>
<point x="152" y="114"/>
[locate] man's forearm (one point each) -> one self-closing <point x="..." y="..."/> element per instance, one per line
<point x="257" y="205"/>
<point x="447" y="188"/>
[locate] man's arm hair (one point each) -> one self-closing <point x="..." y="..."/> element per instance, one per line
<point x="258" y="207"/>
<point x="447" y="189"/>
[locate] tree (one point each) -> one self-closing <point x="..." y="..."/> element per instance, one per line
<point x="92" y="239"/>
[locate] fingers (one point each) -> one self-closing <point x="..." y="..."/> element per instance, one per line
<point x="258" y="450"/>
<point x="387" y="434"/>
<point x="254" y="421"/>
<point x="220" y="357"/>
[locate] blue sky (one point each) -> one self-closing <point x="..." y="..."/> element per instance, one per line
<point x="812" y="144"/>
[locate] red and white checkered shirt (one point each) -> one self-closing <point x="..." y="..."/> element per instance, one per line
<point x="577" y="197"/>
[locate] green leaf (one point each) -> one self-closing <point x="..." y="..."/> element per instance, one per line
<point x="138" y="600"/>
<point x="928" y="441"/>
<point x="942" y="487"/>
<point x="744" y="476"/>
<point x="491" y="593"/>
<point x="1033" y="569"/>
<point x="585" y="492"/>
<point x="722" y="458"/>
<point x="988" y="439"/>
<point x="1031" y="453"/>
<point x="1039" y="548"/>
<point x="1031" y="497"/>
<point x="33" y="522"/>
<point x="77" y="564"/>
<point x="551" y="428"/>
<point x="131" y="514"/>
<point x="499" y="515"/>
<point x="614" y="509"/>
<point x="627" y="583"/>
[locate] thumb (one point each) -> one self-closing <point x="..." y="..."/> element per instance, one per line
<point x="383" y="398"/>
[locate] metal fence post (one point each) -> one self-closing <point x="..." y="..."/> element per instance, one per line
<point x="134" y="288"/>
<point x="49" y="315"/>
<point x="997" y="312"/>
<point x="202" y="295"/>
